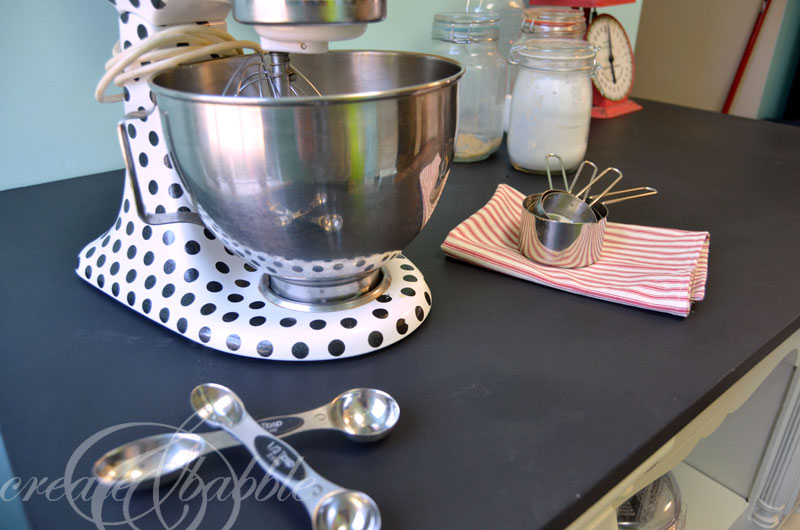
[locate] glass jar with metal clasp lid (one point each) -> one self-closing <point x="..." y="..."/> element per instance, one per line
<point x="557" y="22"/>
<point x="471" y="39"/>
<point x="551" y="103"/>
<point x="547" y="22"/>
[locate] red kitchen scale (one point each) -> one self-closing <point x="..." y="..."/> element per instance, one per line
<point x="614" y="81"/>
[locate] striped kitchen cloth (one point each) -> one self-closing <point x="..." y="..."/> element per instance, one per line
<point x="660" y="269"/>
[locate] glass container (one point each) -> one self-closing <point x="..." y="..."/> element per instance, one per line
<point x="511" y="13"/>
<point x="471" y="39"/>
<point x="547" y="22"/>
<point x="558" y="22"/>
<point x="551" y="103"/>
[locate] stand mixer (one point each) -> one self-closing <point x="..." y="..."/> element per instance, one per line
<point x="269" y="196"/>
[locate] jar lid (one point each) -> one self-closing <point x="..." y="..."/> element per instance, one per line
<point x="554" y="54"/>
<point x="466" y="27"/>
<point x="554" y="22"/>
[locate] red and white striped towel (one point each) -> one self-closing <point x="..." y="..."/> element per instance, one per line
<point x="660" y="269"/>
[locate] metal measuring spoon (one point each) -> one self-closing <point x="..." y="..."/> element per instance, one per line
<point x="331" y="507"/>
<point x="362" y="414"/>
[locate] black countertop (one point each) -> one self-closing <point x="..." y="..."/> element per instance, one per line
<point x="521" y="405"/>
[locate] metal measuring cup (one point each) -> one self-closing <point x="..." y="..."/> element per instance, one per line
<point x="567" y="186"/>
<point x="568" y="245"/>
<point x="556" y="243"/>
<point x="567" y="207"/>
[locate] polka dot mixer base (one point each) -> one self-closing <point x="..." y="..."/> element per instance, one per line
<point x="182" y="277"/>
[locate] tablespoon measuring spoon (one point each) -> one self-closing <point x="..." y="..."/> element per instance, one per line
<point x="330" y="506"/>
<point x="362" y="414"/>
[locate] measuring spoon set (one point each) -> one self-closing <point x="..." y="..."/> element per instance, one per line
<point x="362" y="414"/>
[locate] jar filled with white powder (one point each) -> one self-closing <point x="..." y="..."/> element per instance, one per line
<point x="471" y="39"/>
<point x="547" y="23"/>
<point x="551" y="103"/>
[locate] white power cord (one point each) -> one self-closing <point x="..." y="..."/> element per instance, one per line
<point x="160" y="52"/>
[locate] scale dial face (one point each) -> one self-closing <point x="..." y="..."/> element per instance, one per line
<point x="614" y="79"/>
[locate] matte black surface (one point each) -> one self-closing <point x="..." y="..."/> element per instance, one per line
<point x="520" y="404"/>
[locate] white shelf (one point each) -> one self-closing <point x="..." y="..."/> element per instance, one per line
<point x="710" y="505"/>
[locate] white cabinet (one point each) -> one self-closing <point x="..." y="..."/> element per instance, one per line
<point x="754" y="456"/>
<point x="737" y="462"/>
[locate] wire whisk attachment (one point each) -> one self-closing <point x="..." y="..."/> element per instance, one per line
<point x="269" y="75"/>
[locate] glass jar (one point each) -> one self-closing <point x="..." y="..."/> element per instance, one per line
<point x="471" y="39"/>
<point x="551" y="103"/>
<point x="547" y="22"/>
<point x="558" y="22"/>
<point x="511" y="13"/>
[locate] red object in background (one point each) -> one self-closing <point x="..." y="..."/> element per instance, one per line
<point x="605" y="108"/>
<point x="601" y="107"/>
<point x="746" y="56"/>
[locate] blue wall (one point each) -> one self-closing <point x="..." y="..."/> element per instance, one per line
<point x="52" y="128"/>
<point x="784" y="64"/>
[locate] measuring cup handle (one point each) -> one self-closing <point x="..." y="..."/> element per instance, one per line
<point x="547" y="158"/>
<point x="646" y="189"/>
<point x="580" y="171"/>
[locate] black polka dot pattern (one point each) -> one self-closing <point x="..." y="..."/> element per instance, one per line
<point x="192" y="247"/>
<point x="264" y="348"/>
<point x="234" y="342"/>
<point x="375" y="339"/>
<point x="336" y="347"/>
<point x="300" y="350"/>
<point x="206" y="288"/>
<point x="401" y="326"/>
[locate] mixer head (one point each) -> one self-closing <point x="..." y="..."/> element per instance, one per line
<point x="306" y="26"/>
<point x="295" y="26"/>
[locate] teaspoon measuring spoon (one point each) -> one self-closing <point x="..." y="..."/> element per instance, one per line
<point x="362" y="414"/>
<point x="330" y="506"/>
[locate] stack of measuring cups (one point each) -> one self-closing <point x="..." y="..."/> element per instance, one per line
<point x="563" y="229"/>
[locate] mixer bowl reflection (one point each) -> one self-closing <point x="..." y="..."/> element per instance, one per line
<point x="317" y="192"/>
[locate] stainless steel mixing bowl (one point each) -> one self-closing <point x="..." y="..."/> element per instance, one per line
<point x="317" y="192"/>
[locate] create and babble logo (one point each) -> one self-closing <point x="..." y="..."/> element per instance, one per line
<point x="180" y="501"/>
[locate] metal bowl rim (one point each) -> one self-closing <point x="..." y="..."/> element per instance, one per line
<point x="406" y="91"/>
